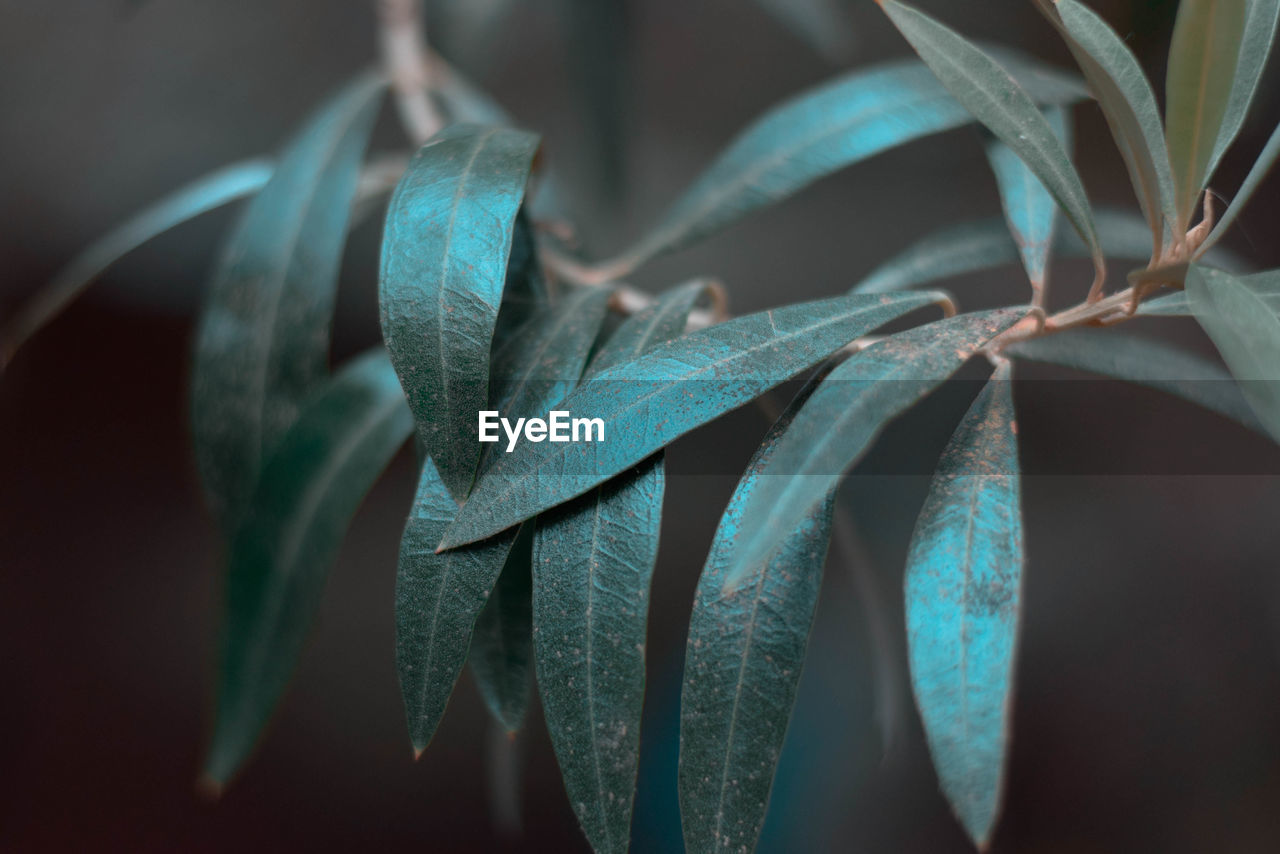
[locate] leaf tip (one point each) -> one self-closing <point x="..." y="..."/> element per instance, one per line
<point x="209" y="787"/>
<point x="417" y="752"/>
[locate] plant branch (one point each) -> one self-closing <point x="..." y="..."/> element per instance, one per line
<point x="401" y="33"/>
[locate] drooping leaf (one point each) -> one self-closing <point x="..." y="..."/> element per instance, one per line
<point x="444" y="258"/>
<point x="1202" y="68"/>
<point x="1128" y="104"/>
<point x="824" y="24"/>
<point x="1242" y="317"/>
<point x="816" y="133"/>
<point x="263" y="341"/>
<point x="204" y="194"/>
<point x="997" y="100"/>
<point x="846" y="413"/>
<point x="650" y="401"/>
<point x="1255" y="47"/>
<point x="743" y="661"/>
<point x="986" y="244"/>
<point x="594" y="560"/>
<point x="525" y="291"/>
<point x="1145" y="361"/>
<point x="1028" y="208"/>
<point x="963" y="595"/>
<point x="502" y="641"/>
<point x="288" y="538"/>
<point x="1259" y="170"/>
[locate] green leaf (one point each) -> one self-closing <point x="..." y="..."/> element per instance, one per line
<point x="502" y="641"/>
<point x="846" y="413"/>
<point x="816" y="133"/>
<point x="1135" y="359"/>
<point x="204" y="194"/>
<point x="1028" y="208"/>
<point x="1128" y="104"/>
<point x="444" y="258"/>
<point x="263" y="341"/>
<point x="648" y="402"/>
<point x="743" y="661"/>
<point x="963" y="595"/>
<point x="1255" y="46"/>
<point x="1260" y="168"/>
<point x="1202" y="68"/>
<point x="288" y="538"/>
<point x="986" y="244"/>
<point x="995" y="99"/>
<point x="1242" y="317"/>
<point x="594" y="561"/>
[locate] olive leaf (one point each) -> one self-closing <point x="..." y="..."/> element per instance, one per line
<point x="824" y="24"/>
<point x="1255" y="46"/>
<point x="648" y="402"/>
<point x="501" y="655"/>
<point x="445" y="249"/>
<point x="288" y="538"/>
<point x="263" y="340"/>
<point x="963" y="595"/>
<point x="1257" y="172"/>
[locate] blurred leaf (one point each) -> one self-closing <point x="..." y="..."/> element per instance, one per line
<point x="743" y="661"/>
<point x="1242" y="317"/>
<point x="986" y="244"/>
<point x="593" y="562"/>
<point x="468" y="30"/>
<point x="263" y="340"/>
<point x="288" y="539"/>
<point x="1128" y="104"/>
<point x="963" y="596"/>
<point x="1202" y="68"/>
<point x="464" y="102"/>
<point x="824" y="24"/>
<point x="664" y="394"/>
<point x="502" y="641"/>
<point x="444" y="258"/>
<point x="1028" y="208"/>
<point x="845" y="414"/>
<point x="1255" y="46"/>
<point x="599" y="53"/>
<point x="816" y="133"/>
<point x="1144" y="361"/>
<point x="1259" y="171"/>
<point x="994" y="97"/>
<point x="204" y="194"/>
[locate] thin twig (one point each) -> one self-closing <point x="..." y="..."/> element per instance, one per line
<point x="404" y="53"/>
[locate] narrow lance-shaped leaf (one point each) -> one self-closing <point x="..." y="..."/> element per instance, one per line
<point x="1127" y="103"/>
<point x="824" y="24"/>
<point x="1257" y="172"/>
<point x="742" y="665"/>
<point x="440" y="596"/>
<point x="817" y="133"/>
<point x="963" y="595"/>
<point x="263" y="340"/>
<point x="1028" y="208"/>
<point x="593" y="562"/>
<point x="1255" y="47"/>
<point x="1203" y="56"/>
<point x="289" y="537"/>
<point x="444" y="259"/>
<point x="1242" y="317"/>
<point x="1144" y="361"/>
<point x="502" y="641"/>
<point x="1003" y="107"/>
<point x="846" y="413"/>
<point x="525" y="291"/>
<point x="648" y="402"/>
<point x="204" y="194"/>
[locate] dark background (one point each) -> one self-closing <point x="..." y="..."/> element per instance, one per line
<point x="1149" y="678"/>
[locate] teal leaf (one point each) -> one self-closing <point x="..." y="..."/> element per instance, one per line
<point x="444" y="258"/>
<point x="1242" y="317"/>
<point x="846" y="413"/>
<point x="816" y="133"/>
<point x="1255" y="47"/>
<point x="525" y="290"/>
<point x="1203" y="56"/>
<point x="648" y="402"/>
<point x="963" y="595"/>
<point x="1128" y="104"/>
<point x="263" y="341"/>
<point x="823" y="24"/>
<point x="594" y="561"/>
<point x="1135" y="359"/>
<point x="502" y="641"/>
<point x="743" y="661"/>
<point x="997" y="100"/>
<point x="986" y="244"/>
<point x="1028" y="208"/>
<point x="204" y="194"/>
<point x="288" y="539"/>
<point x="1257" y="172"/>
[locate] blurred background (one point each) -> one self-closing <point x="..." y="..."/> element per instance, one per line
<point x="1149" y="678"/>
